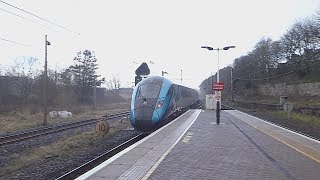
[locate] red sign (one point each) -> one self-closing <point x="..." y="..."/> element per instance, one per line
<point x="218" y="86"/>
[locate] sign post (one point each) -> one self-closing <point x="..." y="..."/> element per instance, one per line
<point x="288" y="107"/>
<point x="218" y="87"/>
<point x="102" y="128"/>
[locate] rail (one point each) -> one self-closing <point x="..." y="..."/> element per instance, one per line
<point x="98" y="160"/>
<point x="25" y="135"/>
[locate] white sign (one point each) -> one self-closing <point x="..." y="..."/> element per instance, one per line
<point x="288" y="106"/>
<point x="210" y="101"/>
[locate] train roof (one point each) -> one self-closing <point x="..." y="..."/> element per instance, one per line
<point x="160" y="80"/>
<point x="154" y="79"/>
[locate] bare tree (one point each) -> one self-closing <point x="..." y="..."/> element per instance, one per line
<point x="317" y="17"/>
<point x="118" y="83"/>
<point x="114" y="81"/>
<point x="110" y="84"/>
<point x="24" y="71"/>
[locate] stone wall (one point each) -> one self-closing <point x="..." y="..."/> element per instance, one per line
<point x="283" y="89"/>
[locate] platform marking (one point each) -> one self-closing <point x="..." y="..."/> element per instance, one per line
<point x="305" y="150"/>
<point x="221" y="123"/>
<point x="280" y="127"/>
<point x="187" y="137"/>
<point x="154" y="167"/>
<point x="273" y="161"/>
<point x="113" y="158"/>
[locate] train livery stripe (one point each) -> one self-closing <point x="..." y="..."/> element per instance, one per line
<point x="158" y="113"/>
<point x="165" y="88"/>
<point x="134" y="93"/>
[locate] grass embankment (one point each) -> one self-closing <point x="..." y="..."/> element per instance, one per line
<point x="15" y="120"/>
<point x="63" y="148"/>
<point x="305" y="121"/>
<point x="293" y="116"/>
<point x="297" y="101"/>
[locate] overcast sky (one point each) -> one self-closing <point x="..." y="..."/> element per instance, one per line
<point x="167" y="32"/>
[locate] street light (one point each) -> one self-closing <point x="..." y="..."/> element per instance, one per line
<point x="218" y="49"/>
<point x="218" y="94"/>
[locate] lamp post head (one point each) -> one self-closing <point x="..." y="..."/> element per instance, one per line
<point x="207" y="47"/>
<point x="163" y="73"/>
<point x="228" y="47"/>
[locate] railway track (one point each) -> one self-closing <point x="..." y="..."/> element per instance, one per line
<point x="98" y="160"/>
<point x="25" y="135"/>
<point x="227" y="107"/>
<point x="93" y="163"/>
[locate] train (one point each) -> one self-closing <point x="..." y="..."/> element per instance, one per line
<point x="155" y="100"/>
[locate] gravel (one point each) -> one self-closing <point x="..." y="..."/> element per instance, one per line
<point x="54" y="166"/>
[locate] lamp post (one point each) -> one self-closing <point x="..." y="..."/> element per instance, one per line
<point x="218" y="49"/>
<point x="218" y="93"/>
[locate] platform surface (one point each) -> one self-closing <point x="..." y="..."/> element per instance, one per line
<point x="195" y="147"/>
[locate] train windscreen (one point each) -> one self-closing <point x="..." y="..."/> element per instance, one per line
<point x="148" y="91"/>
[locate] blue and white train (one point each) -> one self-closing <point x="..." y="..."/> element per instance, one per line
<point x="155" y="99"/>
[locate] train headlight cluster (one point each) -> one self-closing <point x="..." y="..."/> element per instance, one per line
<point x="159" y="104"/>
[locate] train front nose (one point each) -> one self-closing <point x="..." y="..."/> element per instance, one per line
<point x="143" y="119"/>
<point x="145" y="115"/>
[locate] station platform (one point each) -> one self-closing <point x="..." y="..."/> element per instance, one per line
<point x="193" y="146"/>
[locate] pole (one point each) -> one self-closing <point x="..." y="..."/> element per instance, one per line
<point x="231" y="84"/>
<point x="218" y="112"/>
<point x="252" y="85"/>
<point x="181" y="76"/>
<point x="94" y="94"/>
<point x="217" y="94"/>
<point x="218" y="67"/>
<point x="211" y="83"/>
<point x="45" y="84"/>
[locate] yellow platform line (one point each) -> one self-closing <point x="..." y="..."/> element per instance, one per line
<point x="305" y="150"/>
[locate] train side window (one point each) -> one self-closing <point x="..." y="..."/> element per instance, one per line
<point x="139" y="91"/>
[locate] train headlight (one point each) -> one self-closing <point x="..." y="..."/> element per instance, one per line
<point x="159" y="104"/>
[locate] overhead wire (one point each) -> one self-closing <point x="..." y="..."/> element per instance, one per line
<point x="249" y="74"/>
<point x="39" y="17"/>
<point x="283" y="74"/>
<point x="27" y="19"/>
<point x="237" y="69"/>
<point x="22" y="44"/>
